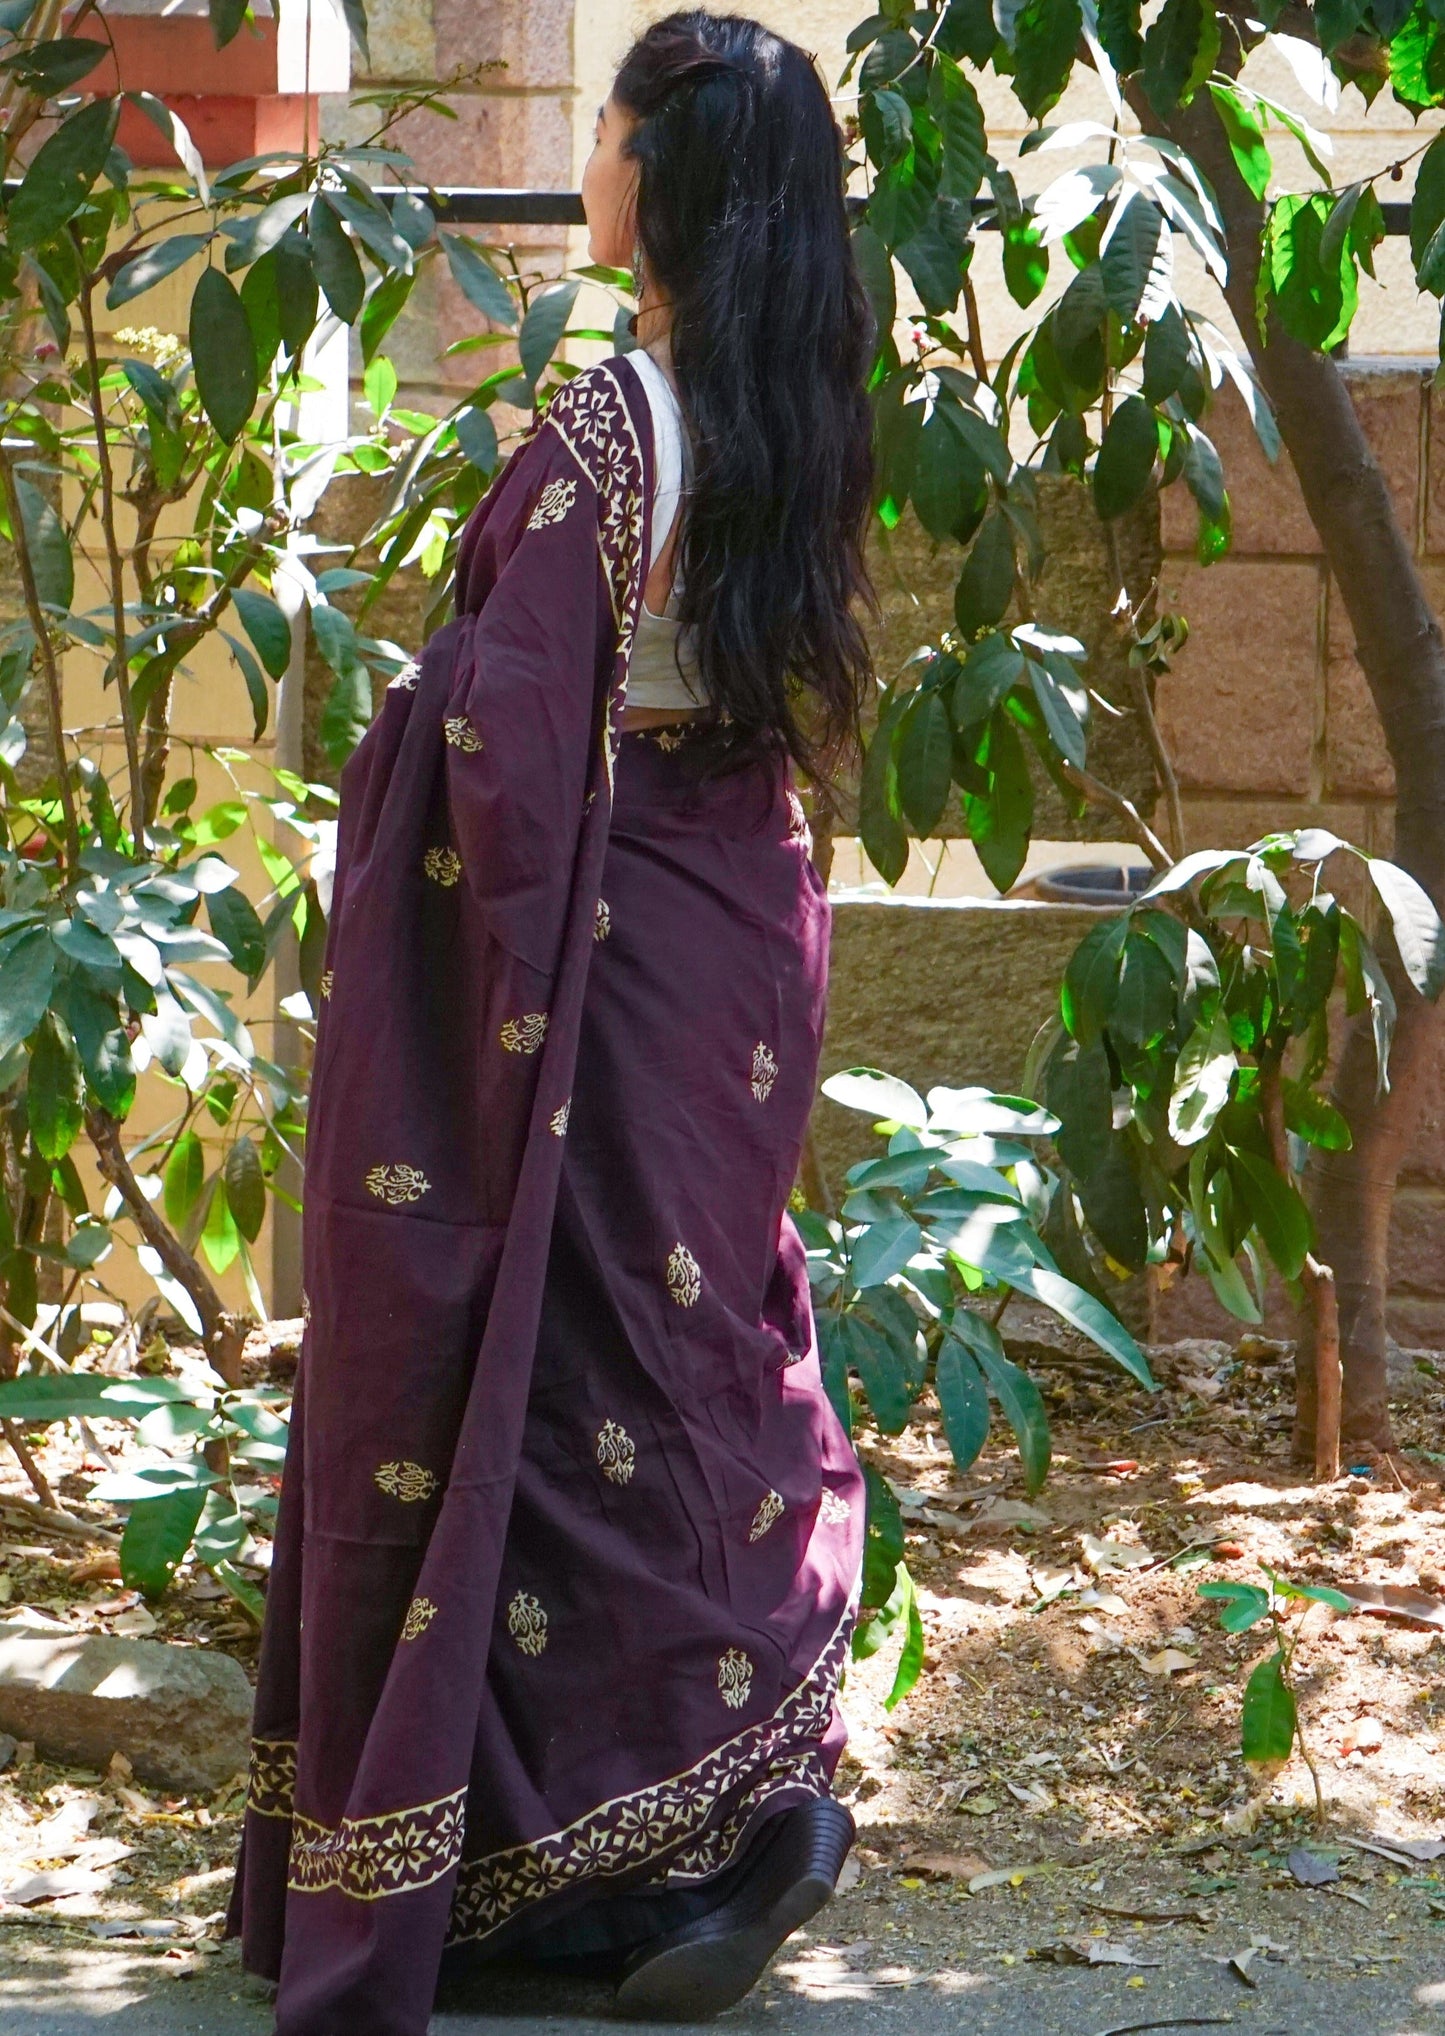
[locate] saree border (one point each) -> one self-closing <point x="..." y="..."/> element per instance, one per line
<point x="660" y="1818"/>
<point x="397" y="1851"/>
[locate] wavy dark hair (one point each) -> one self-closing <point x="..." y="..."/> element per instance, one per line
<point x="742" y="224"/>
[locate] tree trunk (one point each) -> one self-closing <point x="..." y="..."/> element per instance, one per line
<point x="1399" y="645"/>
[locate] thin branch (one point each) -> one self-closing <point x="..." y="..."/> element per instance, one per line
<point x="1139" y="684"/>
<point x="15" y="1437"/>
<point x="40" y="629"/>
<point x="60" y="1523"/>
<point x="120" y="663"/>
<point x="1138" y="829"/>
<point x="975" y="329"/>
<point x="222" y="1334"/>
<point x="1319" y="1284"/>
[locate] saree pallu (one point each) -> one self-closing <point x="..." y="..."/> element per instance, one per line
<point x="569" y="1533"/>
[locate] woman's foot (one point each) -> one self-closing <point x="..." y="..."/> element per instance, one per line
<point x="706" y="1966"/>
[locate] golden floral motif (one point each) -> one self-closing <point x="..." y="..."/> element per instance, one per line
<point x="328" y="982"/>
<point x="603" y="925"/>
<point x="557" y="1122"/>
<point x="419" y="1615"/>
<point x="668" y="739"/>
<point x="406" y="678"/>
<point x="735" y="1678"/>
<point x="552" y="504"/>
<point x="443" y="866"/>
<point x="398" y="1184"/>
<point x="404" y="1480"/>
<point x="684" y="1276"/>
<point x="616" y="1452"/>
<point x="764" y="1071"/>
<point x="770" y="1511"/>
<point x="271" y="1787"/>
<point x="371" y="1857"/>
<point x="460" y="733"/>
<point x="527" y="1623"/>
<point x="524" y="1034"/>
<point x="835" y="1508"/>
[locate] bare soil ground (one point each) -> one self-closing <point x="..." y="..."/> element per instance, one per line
<point x="1058" y="1814"/>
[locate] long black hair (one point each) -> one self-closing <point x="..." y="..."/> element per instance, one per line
<point x="742" y="225"/>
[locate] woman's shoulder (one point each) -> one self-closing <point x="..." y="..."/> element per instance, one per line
<point x="597" y="412"/>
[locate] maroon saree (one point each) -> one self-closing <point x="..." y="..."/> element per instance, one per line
<point x="569" y="1532"/>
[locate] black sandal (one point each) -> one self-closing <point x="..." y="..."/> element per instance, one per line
<point x="697" y="1971"/>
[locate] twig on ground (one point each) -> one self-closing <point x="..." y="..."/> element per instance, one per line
<point x="63" y="1523"/>
<point x="28" y="1464"/>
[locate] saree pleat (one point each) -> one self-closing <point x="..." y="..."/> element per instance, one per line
<point x="569" y="1532"/>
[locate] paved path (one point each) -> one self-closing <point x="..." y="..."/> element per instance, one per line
<point x="69" y="1988"/>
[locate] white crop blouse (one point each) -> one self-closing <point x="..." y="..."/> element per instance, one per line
<point x="663" y="670"/>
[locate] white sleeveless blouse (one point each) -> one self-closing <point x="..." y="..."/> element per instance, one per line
<point x="663" y="671"/>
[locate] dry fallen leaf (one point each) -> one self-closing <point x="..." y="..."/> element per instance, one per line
<point x="136" y="1624"/>
<point x="1366" y="1735"/>
<point x="1168" y="1661"/>
<point x="945" y="1865"/>
<point x="1092" y="1951"/>
<point x="65" y="1880"/>
<point x="1099" y="1598"/>
<point x="1310" y="1869"/>
<point x="1102" y="1556"/>
<point x="1396" y="1601"/>
<point x="1422" y="1849"/>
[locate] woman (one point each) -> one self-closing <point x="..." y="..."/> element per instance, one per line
<point x="569" y="1531"/>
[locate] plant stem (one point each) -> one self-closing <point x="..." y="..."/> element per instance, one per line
<point x="40" y="629"/>
<point x="120" y="664"/>
<point x="31" y="1468"/>
<point x="1163" y="762"/>
<point x="1319" y="1283"/>
<point x="221" y="1333"/>
<point x="975" y="329"/>
<point x="1138" y="829"/>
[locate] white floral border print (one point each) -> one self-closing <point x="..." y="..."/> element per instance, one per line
<point x="667" y="1818"/>
<point x="371" y="1857"/>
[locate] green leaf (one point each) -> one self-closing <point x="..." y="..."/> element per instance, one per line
<point x="935" y="255"/>
<point x="947" y="480"/>
<point x="347" y="714"/>
<point x="882" y="1541"/>
<point x="1087" y="1315"/>
<point x="477" y="437"/>
<point x="925" y="761"/>
<point x="543" y="327"/>
<point x="1179" y="53"/>
<point x="335" y="261"/>
<point x="48" y="543"/>
<point x="1245" y="137"/>
<point x="962" y="1400"/>
<point x="1419" y="934"/>
<point x="1166" y="356"/>
<point x="1046" y="38"/>
<point x="1000" y="819"/>
<point x="161" y="259"/>
<point x="1126" y="458"/>
<point x="910" y="1660"/>
<point x="183" y="1180"/>
<point x="65" y="1396"/>
<point x="883" y="1249"/>
<point x="1119" y="34"/>
<point x="59" y="178"/>
<point x="879" y="824"/>
<point x="875" y="266"/>
<point x="1144" y="1004"/>
<point x="1091" y="980"/>
<point x="955" y="106"/>
<point x="1366" y="984"/>
<point x="479" y="282"/>
<point x="880" y="1371"/>
<point x="103" y="1044"/>
<point x="1023" y="1409"/>
<point x="1202" y="1076"/>
<point x="220" y="1239"/>
<point x="1279" y="1214"/>
<point x="991" y="669"/>
<point x="223" y="353"/>
<point x="1315" y="304"/>
<point x="1427" y="216"/>
<point x="1269" y="1719"/>
<point x="27" y="970"/>
<point x="1134" y="259"/>
<point x="1244" y="1605"/>
<point x="55" y="1091"/>
<point x="1079" y="1093"/>
<point x="46" y="68"/>
<point x="1025" y="261"/>
<point x="878" y="1095"/>
<point x="986" y="583"/>
<point x="246" y="1187"/>
<point x="235" y="923"/>
<point x="266" y="625"/>
<point x="157" y="1538"/>
<point x="1114" y="1207"/>
<point x="1063" y="701"/>
<point x="255" y="680"/>
<point x="1312" y="1118"/>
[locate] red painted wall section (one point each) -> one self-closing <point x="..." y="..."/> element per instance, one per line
<point x="243" y="100"/>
